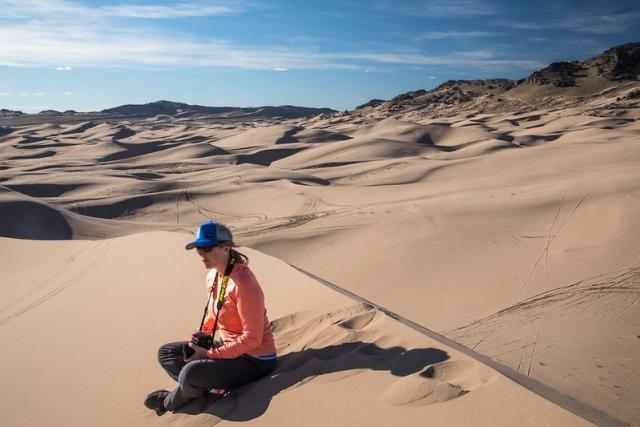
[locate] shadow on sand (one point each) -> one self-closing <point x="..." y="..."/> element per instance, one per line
<point x="297" y="368"/>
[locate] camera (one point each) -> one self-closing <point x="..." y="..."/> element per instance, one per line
<point x="201" y="339"/>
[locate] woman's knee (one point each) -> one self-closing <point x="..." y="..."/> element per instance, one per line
<point x="170" y="351"/>
<point x="190" y="373"/>
<point x="200" y="374"/>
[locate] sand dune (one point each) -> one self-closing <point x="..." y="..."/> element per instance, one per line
<point x="259" y="137"/>
<point x="101" y="317"/>
<point x="514" y="234"/>
<point x="583" y="310"/>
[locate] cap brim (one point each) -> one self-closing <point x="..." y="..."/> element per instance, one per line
<point x="200" y="242"/>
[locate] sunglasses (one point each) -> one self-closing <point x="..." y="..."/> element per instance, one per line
<point x="205" y="249"/>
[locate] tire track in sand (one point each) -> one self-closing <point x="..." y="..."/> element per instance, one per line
<point x="57" y="289"/>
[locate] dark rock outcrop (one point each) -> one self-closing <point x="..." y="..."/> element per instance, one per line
<point x="372" y="103"/>
<point x="620" y="62"/>
<point x="559" y="74"/>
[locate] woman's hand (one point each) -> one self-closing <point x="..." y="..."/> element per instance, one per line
<point x="200" y="353"/>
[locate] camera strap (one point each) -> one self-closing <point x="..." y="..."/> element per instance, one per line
<point x="221" y="295"/>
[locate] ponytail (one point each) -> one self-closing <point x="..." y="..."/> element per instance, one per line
<point x="238" y="257"/>
<point x="234" y="255"/>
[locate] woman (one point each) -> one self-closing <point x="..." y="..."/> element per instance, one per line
<point x="246" y="350"/>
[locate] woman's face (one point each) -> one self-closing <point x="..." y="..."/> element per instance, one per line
<point x="216" y="257"/>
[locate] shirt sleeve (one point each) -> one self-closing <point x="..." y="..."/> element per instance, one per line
<point x="250" y="303"/>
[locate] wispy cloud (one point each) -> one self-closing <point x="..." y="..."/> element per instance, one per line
<point x="524" y="25"/>
<point x="177" y="10"/>
<point x="47" y="33"/>
<point x="43" y="44"/>
<point x="602" y="24"/>
<point x="614" y="23"/>
<point x="483" y="60"/>
<point x="305" y="40"/>
<point x="50" y="8"/>
<point x="38" y="8"/>
<point x="456" y="34"/>
<point x="439" y="8"/>
<point x="5" y="93"/>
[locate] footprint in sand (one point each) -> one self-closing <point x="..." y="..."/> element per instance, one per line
<point x="440" y="382"/>
<point x="358" y="322"/>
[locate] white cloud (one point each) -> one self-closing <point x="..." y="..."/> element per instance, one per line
<point x="437" y="35"/>
<point x="176" y="10"/>
<point x="35" y="93"/>
<point x="64" y="32"/>
<point x="42" y="44"/>
<point x="601" y="23"/>
<point x="442" y="8"/>
<point x="69" y="94"/>
<point x="5" y="93"/>
<point x="432" y="77"/>
<point x="479" y="54"/>
<point x="36" y="8"/>
<point x="481" y="59"/>
<point x="39" y="44"/>
<point x="62" y="8"/>
<point x="586" y="23"/>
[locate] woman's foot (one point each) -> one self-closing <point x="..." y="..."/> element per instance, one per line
<point x="155" y="401"/>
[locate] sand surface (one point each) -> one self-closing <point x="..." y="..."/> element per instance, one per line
<point x="513" y="234"/>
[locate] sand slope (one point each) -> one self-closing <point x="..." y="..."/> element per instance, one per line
<point x="99" y="310"/>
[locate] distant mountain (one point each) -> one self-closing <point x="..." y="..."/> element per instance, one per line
<point x="178" y="108"/>
<point x="150" y="109"/>
<point x="562" y="83"/>
<point x="167" y="108"/>
<point x="10" y="113"/>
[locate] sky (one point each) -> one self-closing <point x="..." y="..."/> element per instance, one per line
<point x="90" y="55"/>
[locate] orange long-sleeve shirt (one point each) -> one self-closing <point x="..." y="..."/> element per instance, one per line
<point x="243" y="324"/>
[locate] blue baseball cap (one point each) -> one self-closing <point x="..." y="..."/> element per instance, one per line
<point x="210" y="234"/>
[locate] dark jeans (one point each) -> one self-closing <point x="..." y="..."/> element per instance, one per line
<point x="198" y="377"/>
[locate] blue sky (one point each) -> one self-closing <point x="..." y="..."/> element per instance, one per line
<point x="90" y="55"/>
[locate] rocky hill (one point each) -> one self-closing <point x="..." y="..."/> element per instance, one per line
<point x="447" y="97"/>
<point x="616" y="64"/>
<point x="614" y="74"/>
